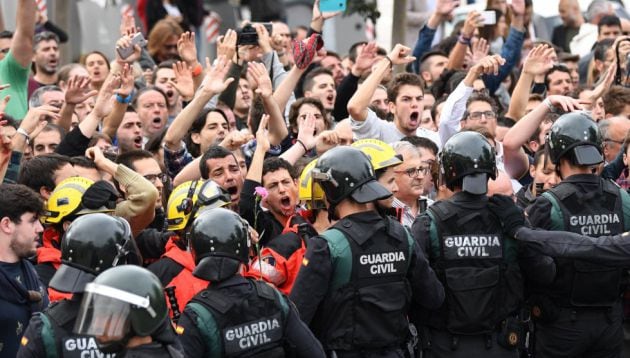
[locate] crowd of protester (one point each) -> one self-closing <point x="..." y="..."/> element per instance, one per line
<point x="150" y="132"/>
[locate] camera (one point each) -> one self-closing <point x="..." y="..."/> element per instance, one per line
<point x="247" y="34"/>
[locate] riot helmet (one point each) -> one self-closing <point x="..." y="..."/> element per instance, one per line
<point x="122" y="302"/>
<point x="575" y="135"/>
<point x="344" y="172"/>
<point x="92" y="244"/>
<point x="219" y="243"/>
<point x="469" y="157"/>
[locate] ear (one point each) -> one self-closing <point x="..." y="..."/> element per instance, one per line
<point x="6" y="225"/>
<point x="195" y="138"/>
<point x="426" y="76"/>
<point x="45" y="192"/>
<point x="392" y="106"/>
<point x="534" y="146"/>
<point x="625" y="159"/>
<point x="532" y="170"/>
<point x="66" y="224"/>
<point x="308" y="93"/>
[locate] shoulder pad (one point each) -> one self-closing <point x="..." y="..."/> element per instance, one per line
<point x="264" y="290"/>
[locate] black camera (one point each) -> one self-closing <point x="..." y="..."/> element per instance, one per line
<point x="247" y="34"/>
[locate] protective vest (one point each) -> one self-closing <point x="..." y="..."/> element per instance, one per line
<point x="368" y="300"/>
<point x="183" y="287"/>
<point x="250" y="326"/>
<point x="57" y="336"/>
<point x="468" y="253"/>
<point x="595" y="213"/>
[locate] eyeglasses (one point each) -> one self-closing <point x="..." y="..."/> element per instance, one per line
<point x="414" y="172"/>
<point x="612" y="140"/>
<point x="152" y="177"/>
<point x="477" y="115"/>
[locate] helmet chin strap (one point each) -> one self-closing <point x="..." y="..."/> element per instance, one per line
<point x="115" y="346"/>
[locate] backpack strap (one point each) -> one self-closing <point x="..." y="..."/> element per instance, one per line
<point x="48" y="336"/>
<point x="208" y="328"/>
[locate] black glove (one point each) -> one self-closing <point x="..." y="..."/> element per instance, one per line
<point x="510" y="215"/>
<point x="100" y="195"/>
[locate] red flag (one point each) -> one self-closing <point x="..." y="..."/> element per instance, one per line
<point x="212" y="27"/>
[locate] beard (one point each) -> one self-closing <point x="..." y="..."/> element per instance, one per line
<point x="22" y="249"/>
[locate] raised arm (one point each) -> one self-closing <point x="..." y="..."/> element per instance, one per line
<point x="214" y="83"/>
<point x="277" y="127"/>
<point x="458" y="54"/>
<point x="537" y="63"/>
<point x="358" y="104"/>
<point x="516" y="162"/>
<point x="22" y="42"/>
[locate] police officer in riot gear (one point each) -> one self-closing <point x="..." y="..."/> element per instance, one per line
<point x="581" y="295"/>
<point x="92" y="244"/>
<point x="359" y="277"/>
<point x="473" y="257"/>
<point x="236" y="316"/>
<point x="124" y="308"/>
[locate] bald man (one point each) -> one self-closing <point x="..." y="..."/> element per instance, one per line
<point x="571" y="16"/>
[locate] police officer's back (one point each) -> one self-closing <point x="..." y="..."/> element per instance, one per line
<point x="580" y="294"/>
<point x="473" y="258"/>
<point x="358" y="278"/>
<point x="85" y="252"/>
<point x="236" y="316"/>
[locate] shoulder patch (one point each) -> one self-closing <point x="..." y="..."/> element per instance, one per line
<point x="24" y="341"/>
<point x="179" y="330"/>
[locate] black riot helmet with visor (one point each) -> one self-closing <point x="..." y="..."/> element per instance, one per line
<point x="122" y="302"/>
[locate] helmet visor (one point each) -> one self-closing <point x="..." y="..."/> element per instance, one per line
<point x="105" y="312"/>
<point x="103" y="317"/>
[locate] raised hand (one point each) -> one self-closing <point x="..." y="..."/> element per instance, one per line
<point x="539" y="60"/>
<point x="488" y="65"/>
<point x="125" y="42"/>
<point x="183" y="80"/>
<point x="306" y="131"/>
<point x="473" y="21"/>
<point x="126" y="81"/>
<point x="518" y="7"/>
<point x="79" y="90"/>
<point x="444" y="8"/>
<point x="264" y="40"/>
<point x="186" y="48"/>
<point x="318" y="18"/>
<point x="566" y="104"/>
<point x="262" y="134"/>
<point x="365" y="59"/>
<point x="261" y="77"/>
<point x="400" y="55"/>
<point x="480" y="49"/>
<point x="226" y="45"/>
<point x="103" y="103"/>
<point x="215" y="81"/>
<point x="38" y="116"/>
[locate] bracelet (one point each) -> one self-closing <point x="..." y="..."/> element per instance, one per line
<point x="391" y="63"/>
<point x="463" y="40"/>
<point x="123" y="100"/>
<point x="551" y="107"/>
<point x="303" y="145"/>
<point x="197" y="70"/>
<point x="23" y="132"/>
